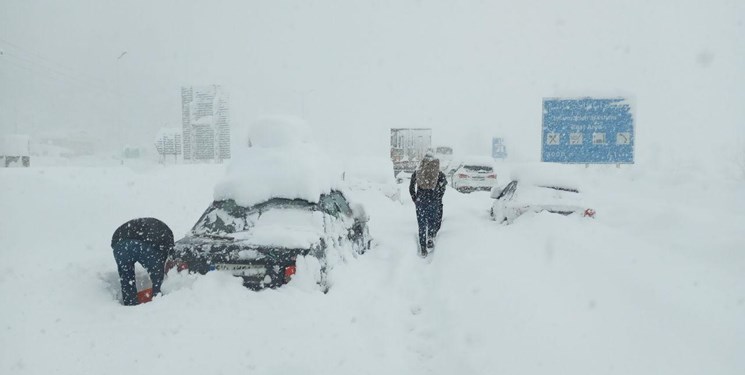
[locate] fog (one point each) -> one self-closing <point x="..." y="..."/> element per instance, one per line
<point x="469" y="70"/>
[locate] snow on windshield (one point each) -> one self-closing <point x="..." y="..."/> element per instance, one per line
<point x="278" y="159"/>
<point x="288" y="228"/>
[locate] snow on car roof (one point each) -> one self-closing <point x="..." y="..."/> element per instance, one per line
<point x="484" y="161"/>
<point x="282" y="161"/>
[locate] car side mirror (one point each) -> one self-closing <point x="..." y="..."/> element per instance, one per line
<point x="359" y="214"/>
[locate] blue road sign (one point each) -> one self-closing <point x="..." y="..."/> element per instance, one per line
<point x="498" y="149"/>
<point x="587" y="131"/>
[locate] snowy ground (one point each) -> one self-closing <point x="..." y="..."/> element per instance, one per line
<point x="654" y="285"/>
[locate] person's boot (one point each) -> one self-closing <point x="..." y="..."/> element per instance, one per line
<point x="422" y="250"/>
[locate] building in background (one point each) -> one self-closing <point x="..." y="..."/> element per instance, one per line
<point x="206" y="125"/>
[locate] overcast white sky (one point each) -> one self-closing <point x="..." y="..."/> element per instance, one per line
<point x="468" y="69"/>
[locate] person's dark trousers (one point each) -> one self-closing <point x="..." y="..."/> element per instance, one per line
<point x="426" y="214"/>
<point x="438" y="219"/>
<point x="129" y="252"/>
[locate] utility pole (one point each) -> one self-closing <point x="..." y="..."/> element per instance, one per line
<point x="120" y="101"/>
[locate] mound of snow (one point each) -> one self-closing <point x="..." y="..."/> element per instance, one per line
<point x="282" y="162"/>
<point x="371" y="173"/>
<point x="373" y="169"/>
<point x="549" y="174"/>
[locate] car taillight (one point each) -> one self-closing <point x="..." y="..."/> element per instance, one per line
<point x="177" y="264"/>
<point x="589" y="213"/>
<point x="289" y="271"/>
<point x="462" y="175"/>
<point x="491" y="176"/>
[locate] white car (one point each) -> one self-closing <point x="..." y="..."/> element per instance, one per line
<point x="520" y="197"/>
<point x="403" y="177"/>
<point x="472" y="176"/>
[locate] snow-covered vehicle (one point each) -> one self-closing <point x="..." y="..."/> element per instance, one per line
<point x="403" y="177"/>
<point x="261" y="243"/>
<point x="474" y="175"/>
<point x="519" y="197"/>
<point x="278" y="209"/>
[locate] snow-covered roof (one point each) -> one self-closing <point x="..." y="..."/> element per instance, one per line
<point x="282" y="162"/>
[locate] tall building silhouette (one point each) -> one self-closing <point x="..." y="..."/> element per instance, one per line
<point x="206" y="125"/>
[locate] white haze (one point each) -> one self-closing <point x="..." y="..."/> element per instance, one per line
<point x="353" y="69"/>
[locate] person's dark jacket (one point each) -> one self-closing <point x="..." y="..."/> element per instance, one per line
<point x="428" y="195"/>
<point x="145" y="229"/>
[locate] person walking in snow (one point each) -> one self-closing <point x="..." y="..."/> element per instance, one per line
<point x="147" y="241"/>
<point x="427" y="188"/>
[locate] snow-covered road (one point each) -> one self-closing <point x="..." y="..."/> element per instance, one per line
<point x="654" y="285"/>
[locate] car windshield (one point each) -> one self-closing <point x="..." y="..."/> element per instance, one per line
<point x="477" y="168"/>
<point x="507" y="192"/>
<point x="225" y="217"/>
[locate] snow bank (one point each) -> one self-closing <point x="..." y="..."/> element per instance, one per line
<point x="371" y="173"/>
<point x="652" y="286"/>
<point x="281" y="162"/>
<point x="374" y="169"/>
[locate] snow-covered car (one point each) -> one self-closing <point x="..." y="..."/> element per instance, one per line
<point x="262" y="243"/>
<point x="403" y="177"/>
<point x="518" y="197"/>
<point x="472" y="176"/>
<point x="278" y="209"/>
<point x="450" y="169"/>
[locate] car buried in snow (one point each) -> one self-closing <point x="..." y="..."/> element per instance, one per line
<point x="403" y="177"/>
<point x="520" y="197"/>
<point x="262" y="243"/>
